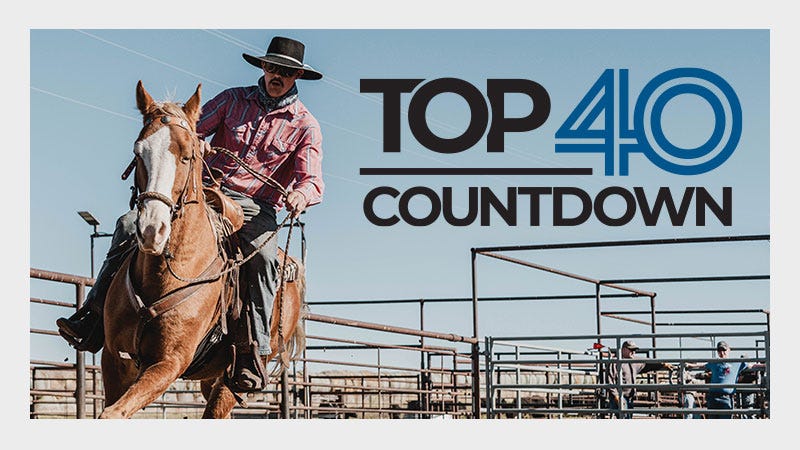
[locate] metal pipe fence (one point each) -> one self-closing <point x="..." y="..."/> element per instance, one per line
<point x="80" y="284"/>
<point x="582" y="396"/>
<point x="455" y="378"/>
<point x="571" y="381"/>
<point x="438" y="386"/>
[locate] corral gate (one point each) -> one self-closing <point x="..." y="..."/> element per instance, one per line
<point x="562" y="376"/>
<point x="561" y="380"/>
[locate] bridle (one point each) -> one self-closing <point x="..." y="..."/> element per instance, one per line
<point x="168" y="119"/>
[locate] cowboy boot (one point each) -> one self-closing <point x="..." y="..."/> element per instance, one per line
<point x="247" y="373"/>
<point x="84" y="329"/>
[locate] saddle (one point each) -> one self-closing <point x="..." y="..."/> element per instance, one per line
<point x="227" y="217"/>
<point x="228" y="209"/>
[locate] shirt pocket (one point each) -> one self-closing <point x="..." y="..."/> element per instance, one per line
<point x="286" y="140"/>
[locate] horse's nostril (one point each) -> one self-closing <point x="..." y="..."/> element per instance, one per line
<point x="163" y="230"/>
<point x="149" y="232"/>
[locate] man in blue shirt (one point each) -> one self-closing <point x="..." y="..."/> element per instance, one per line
<point x="722" y="372"/>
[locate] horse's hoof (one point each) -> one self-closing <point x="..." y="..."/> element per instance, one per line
<point x="111" y="415"/>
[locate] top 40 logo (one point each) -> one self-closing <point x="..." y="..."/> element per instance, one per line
<point x="584" y="131"/>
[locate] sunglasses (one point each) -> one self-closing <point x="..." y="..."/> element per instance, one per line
<point x="280" y="70"/>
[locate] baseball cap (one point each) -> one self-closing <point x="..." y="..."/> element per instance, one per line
<point x="722" y="345"/>
<point x="630" y="344"/>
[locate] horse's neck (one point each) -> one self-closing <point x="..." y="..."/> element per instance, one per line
<point x="192" y="245"/>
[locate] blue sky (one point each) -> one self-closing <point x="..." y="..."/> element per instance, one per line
<point x="82" y="122"/>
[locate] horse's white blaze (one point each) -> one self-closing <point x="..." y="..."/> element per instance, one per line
<point x="155" y="216"/>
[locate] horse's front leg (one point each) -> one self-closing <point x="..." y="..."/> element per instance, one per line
<point x="118" y="375"/>
<point x="153" y="381"/>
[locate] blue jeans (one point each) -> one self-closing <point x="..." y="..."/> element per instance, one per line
<point x="259" y="276"/>
<point x="719" y="400"/>
<point x="627" y="404"/>
<point x="124" y="233"/>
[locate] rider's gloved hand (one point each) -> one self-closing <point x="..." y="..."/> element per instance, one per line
<point x="296" y="202"/>
<point x="207" y="150"/>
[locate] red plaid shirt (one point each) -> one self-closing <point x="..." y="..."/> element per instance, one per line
<point x="285" y="143"/>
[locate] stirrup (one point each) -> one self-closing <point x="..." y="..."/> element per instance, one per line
<point x="71" y="340"/>
<point x="245" y="380"/>
<point x="247" y="373"/>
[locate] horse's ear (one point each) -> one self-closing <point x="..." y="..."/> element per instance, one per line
<point x="192" y="106"/>
<point x="143" y="99"/>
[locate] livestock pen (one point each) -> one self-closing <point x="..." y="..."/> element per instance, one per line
<point x="350" y="367"/>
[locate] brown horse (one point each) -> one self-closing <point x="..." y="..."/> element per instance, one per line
<point x="154" y="319"/>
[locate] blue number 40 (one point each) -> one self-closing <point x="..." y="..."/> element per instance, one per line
<point x="589" y="133"/>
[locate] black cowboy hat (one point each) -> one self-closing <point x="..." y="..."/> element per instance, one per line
<point x="287" y="53"/>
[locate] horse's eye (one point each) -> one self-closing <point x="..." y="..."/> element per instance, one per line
<point x="185" y="159"/>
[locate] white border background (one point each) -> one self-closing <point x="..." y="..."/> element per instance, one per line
<point x="19" y="18"/>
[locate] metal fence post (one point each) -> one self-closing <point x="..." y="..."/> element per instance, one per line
<point x="422" y="383"/>
<point x="598" y="311"/>
<point x="489" y="374"/>
<point x="767" y="375"/>
<point x="476" y="374"/>
<point x="284" y="394"/>
<point x="80" y="365"/>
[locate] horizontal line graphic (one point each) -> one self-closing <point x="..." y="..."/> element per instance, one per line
<point x="475" y="171"/>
